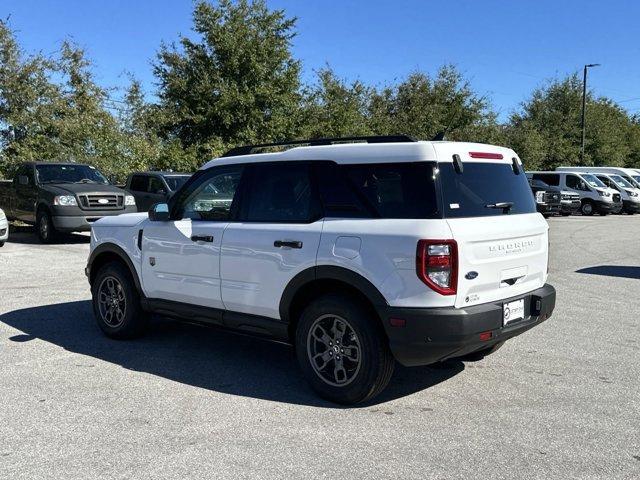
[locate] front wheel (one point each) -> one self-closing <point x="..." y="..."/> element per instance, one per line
<point x="44" y="226"/>
<point x="587" y="208"/>
<point x="342" y="350"/>
<point x="116" y="303"/>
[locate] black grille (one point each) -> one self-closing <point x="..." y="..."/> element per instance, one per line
<point x="108" y="201"/>
<point x="616" y="197"/>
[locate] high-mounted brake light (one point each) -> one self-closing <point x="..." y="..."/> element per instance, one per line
<point x="487" y="155"/>
<point x="437" y="265"/>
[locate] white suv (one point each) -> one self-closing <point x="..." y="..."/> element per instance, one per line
<point x="359" y="254"/>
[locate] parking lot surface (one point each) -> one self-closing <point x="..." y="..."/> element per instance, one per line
<point x="560" y="401"/>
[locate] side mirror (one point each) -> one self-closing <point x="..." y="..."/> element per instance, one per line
<point x="159" y="213"/>
<point x="23" y="180"/>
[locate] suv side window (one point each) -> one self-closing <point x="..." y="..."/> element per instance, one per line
<point x="156" y="185"/>
<point x="573" y="181"/>
<point x="139" y="183"/>
<point x="210" y="196"/>
<point x="281" y="193"/>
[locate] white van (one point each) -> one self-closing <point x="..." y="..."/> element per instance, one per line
<point x="630" y="195"/>
<point x="631" y="175"/>
<point x="595" y="196"/>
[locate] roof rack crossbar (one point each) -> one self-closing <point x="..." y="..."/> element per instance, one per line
<point x="248" y="149"/>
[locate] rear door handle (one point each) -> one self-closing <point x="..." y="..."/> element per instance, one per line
<point x="287" y="243"/>
<point x="202" y="238"/>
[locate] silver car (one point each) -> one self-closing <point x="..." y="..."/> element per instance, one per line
<point x="4" y="228"/>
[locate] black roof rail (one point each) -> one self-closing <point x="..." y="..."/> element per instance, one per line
<point x="248" y="149"/>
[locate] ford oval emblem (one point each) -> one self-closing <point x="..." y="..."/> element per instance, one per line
<point x="103" y="201"/>
<point x="471" y="275"/>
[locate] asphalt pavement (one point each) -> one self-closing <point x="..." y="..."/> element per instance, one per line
<point x="560" y="401"/>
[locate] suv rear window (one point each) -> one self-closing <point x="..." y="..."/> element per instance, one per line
<point x="469" y="194"/>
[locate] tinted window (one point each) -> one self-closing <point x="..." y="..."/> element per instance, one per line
<point x="280" y="193"/>
<point x="210" y="196"/>
<point x="156" y="185"/>
<point x="575" y="182"/>
<point x="471" y="193"/>
<point x="175" y="181"/>
<point x="338" y="198"/>
<point x="139" y="183"/>
<point x="395" y="190"/>
<point x="548" y="178"/>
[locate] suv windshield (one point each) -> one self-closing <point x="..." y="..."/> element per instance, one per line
<point x="174" y="182"/>
<point x="484" y="189"/>
<point x="56" y="173"/>
<point x="593" y="181"/>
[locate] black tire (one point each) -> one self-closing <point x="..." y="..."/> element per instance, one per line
<point x="47" y="233"/>
<point x="1" y="244"/>
<point x="363" y="337"/>
<point x="587" y="208"/>
<point x="127" y="319"/>
<point x="480" y="354"/>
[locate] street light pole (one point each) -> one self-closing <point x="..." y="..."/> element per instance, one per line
<point x="584" y="104"/>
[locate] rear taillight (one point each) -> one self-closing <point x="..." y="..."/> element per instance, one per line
<point x="437" y="265"/>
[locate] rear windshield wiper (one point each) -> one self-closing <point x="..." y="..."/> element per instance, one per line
<point x="504" y="206"/>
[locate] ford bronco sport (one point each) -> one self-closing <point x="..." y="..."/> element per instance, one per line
<point x="359" y="254"/>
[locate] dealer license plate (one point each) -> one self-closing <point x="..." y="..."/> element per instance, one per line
<point x="512" y="311"/>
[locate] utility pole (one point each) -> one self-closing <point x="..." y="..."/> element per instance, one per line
<point x="584" y="104"/>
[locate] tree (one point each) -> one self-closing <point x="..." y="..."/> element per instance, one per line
<point x="332" y="108"/>
<point x="547" y="132"/>
<point x="425" y="107"/>
<point x="237" y="83"/>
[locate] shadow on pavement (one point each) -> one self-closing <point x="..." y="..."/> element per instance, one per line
<point x="201" y="356"/>
<point x="27" y="235"/>
<point x="622" y="271"/>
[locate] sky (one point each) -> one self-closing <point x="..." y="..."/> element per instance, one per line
<point x="504" y="48"/>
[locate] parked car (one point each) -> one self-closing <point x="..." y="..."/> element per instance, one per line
<point x="548" y="198"/>
<point x="61" y="197"/>
<point x="631" y="175"/>
<point x="595" y="196"/>
<point x="4" y="228"/>
<point x="630" y="195"/>
<point x="358" y="254"/>
<point x="150" y="188"/>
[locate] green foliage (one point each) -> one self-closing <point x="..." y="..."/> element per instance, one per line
<point x="235" y="81"/>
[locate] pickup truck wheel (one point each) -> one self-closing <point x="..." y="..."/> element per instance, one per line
<point x="342" y="352"/>
<point x="44" y="226"/>
<point x="116" y="303"/>
<point x="586" y="208"/>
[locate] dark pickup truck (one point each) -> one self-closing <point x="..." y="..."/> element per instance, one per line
<point x="548" y="198"/>
<point x="61" y="197"/>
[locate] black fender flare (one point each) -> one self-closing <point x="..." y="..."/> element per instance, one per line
<point x="113" y="249"/>
<point x="331" y="272"/>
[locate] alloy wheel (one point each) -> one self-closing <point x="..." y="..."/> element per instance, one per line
<point x="112" y="302"/>
<point x="334" y="350"/>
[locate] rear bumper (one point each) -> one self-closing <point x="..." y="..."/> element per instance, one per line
<point x="82" y="223"/>
<point x="434" y="334"/>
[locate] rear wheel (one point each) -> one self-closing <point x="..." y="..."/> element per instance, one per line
<point x="587" y="208"/>
<point x="1" y="244"/>
<point x="116" y="303"/>
<point x="44" y="226"/>
<point x="342" y="351"/>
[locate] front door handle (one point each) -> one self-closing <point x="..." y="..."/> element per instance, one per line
<point x="287" y="243"/>
<point x="202" y="238"/>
